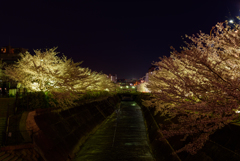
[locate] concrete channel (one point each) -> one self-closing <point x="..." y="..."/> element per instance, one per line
<point x="122" y="137"/>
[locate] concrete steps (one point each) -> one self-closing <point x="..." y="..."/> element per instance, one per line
<point x="4" y="156"/>
<point x="20" y="155"/>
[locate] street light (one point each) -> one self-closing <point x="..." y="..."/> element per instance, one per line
<point x="230" y="21"/>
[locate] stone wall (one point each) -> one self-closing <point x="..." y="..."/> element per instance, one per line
<point x="223" y="145"/>
<point x="162" y="150"/>
<point x="61" y="134"/>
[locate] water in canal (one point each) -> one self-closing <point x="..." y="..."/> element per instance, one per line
<point x="122" y="137"/>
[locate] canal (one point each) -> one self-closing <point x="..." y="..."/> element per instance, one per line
<point x="122" y="136"/>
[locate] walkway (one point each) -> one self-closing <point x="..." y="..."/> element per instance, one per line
<point x="4" y="102"/>
<point x="121" y="139"/>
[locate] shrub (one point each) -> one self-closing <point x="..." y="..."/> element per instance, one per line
<point x="34" y="100"/>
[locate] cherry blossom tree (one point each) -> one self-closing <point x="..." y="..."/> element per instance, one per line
<point x="2" y="75"/>
<point x="142" y="87"/>
<point x="199" y="86"/>
<point x="104" y="84"/>
<point x="64" y="80"/>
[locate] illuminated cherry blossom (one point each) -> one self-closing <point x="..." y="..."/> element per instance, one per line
<point x="199" y="86"/>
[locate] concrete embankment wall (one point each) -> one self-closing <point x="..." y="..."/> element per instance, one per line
<point x="61" y="134"/>
<point x="162" y="150"/>
<point x="224" y="144"/>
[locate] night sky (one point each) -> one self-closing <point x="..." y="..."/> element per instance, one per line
<point x="115" y="37"/>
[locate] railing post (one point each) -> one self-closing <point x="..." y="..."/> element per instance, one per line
<point x="15" y="104"/>
<point x="27" y="101"/>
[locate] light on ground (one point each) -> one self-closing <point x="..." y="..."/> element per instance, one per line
<point x="230" y="21"/>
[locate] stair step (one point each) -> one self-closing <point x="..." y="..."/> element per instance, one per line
<point x="15" y="158"/>
<point x="2" y="153"/>
<point x="9" y="157"/>
<point x="4" y="156"/>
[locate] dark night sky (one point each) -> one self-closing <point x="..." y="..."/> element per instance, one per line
<point x="117" y="37"/>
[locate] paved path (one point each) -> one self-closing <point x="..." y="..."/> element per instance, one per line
<point x="4" y="102"/>
<point x="122" y="139"/>
<point x="4" y="106"/>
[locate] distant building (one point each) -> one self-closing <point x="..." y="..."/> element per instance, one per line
<point x="133" y="80"/>
<point x="150" y="72"/>
<point x="9" y="54"/>
<point x="113" y="78"/>
<point x="121" y="80"/>
<point x="142" y="86"/>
